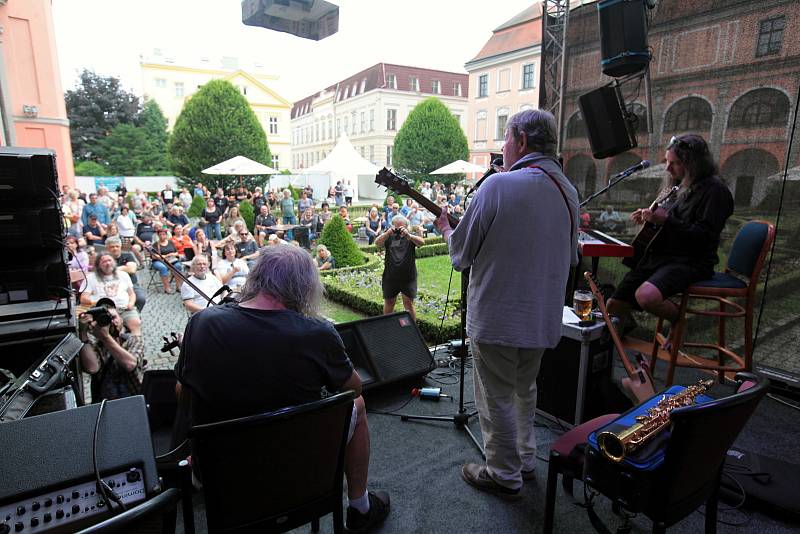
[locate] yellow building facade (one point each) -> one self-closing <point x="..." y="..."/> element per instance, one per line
<point x="171" y="83"/>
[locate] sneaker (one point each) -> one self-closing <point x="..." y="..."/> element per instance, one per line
<point x="478" y="476"/>
<point x="358" y="523"/>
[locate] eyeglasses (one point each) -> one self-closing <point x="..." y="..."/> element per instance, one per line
<point x="677" y="141"/>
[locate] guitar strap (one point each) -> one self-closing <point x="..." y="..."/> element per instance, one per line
<point x="563" y="195"/>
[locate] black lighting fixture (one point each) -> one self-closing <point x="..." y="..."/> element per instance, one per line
<point x="309" y="19"/>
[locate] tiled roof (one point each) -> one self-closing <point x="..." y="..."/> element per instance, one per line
<point x="522" y="31"/>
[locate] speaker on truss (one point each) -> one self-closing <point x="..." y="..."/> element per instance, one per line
<point x="610" y="132"/>
<point x="623" y="37"/>
<point x="386" y="349"/>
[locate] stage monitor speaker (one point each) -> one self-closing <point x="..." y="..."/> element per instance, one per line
<point x="28" y="174"/>
<point x="623" y="37"/>
<point x="610" y="132"/>
<point x="386" y="349"/>
<point x="28" y="227"/>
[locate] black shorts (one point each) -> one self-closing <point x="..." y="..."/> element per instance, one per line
<point x="668" y="275"/>
<point x="391" y="287"/>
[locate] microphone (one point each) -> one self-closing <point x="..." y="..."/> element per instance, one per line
<point x="220" y="291"/>
<point x="496" y="162"/>
<point x="636" y="168"/>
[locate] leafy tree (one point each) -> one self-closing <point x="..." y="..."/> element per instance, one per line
<point x="94" y="108"/>
<point x="141" y="150"/>
<point x="339" y="241"/>
<point x="248" y="214"/>
<point x="90" y="168"/>
<point x="216" y="124"/>
<point x="429" y="138"/>
<point x="154" y="124"/>
<point x="197" y="207"/>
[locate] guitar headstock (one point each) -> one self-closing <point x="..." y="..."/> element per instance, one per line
<point x="593" y="287"/>
<point x="390" y="180"/>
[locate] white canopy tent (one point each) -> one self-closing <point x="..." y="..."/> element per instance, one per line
<point x="240" y="166"/>
<point x="459" y="166"/>
<point x="345" y="164"/>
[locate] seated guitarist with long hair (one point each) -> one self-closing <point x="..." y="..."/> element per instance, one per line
<point x="684" y="251"/>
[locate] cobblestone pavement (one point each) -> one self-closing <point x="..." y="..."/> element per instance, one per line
<point x="161" y="315"/>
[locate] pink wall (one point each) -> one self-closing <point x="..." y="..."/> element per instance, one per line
<point x="31" y="64"/>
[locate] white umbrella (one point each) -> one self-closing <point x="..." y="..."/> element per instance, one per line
<point x="458" y="166"/>
<point x="240" y="166"/>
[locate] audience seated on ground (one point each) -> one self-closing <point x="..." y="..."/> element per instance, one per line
<point x="110" y="282"/>
<point x="325" y="261"/>
<point x="205" y="281"/>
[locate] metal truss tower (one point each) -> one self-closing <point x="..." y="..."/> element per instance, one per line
<point x="555" y="15"/>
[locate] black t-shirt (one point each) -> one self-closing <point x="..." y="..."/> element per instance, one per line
<point x="169" y="248"/>
<point x="124" y="259"/>
<point x="400" y="263"/>
<point x="212" y="216"/>
<point x="221" y="202"/>
<point x="237" y="361"/>
<point x="258" y="201"/>
<point x="145" y="231"/>
<point x="181" y="219"/>
<point x="265" y="220"/>
<point x="245" y="248"/>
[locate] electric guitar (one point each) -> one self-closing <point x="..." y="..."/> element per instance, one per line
<point x="638" y="385"/>
<point x="402" y="186"/>
<point x="648" y="232"/>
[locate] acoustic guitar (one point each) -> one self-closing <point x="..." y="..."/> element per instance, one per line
<point x="638" y="385"/>
<point x="649" y="232"/>
<point x="402" y="186"/>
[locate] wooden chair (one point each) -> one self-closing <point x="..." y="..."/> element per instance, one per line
<point x="276" y="471"/>
<point x="738" y="280"/>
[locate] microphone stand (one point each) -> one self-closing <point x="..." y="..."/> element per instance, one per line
<point x="180" y="275"/>
<point x="617" y="178"/>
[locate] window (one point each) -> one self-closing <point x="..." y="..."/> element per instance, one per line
<point x="504" y="80"/>
<point x="330" y="128"/>
<point x="759" y="108"/>
<point x="770" y="36"/>
<point x="275" y="161"/>
<point x="576" y="127"/>
<point x="346" y="92"/>
<point x="391" y="119"/>
<point x="391" y="81"/>
<point x="338" y="127"/>
<point x="638" y="114"/>
<point x="502" y="120"/>
<point x="688" y="114"/>
<point x="480" y="127"/>
<point x="244" y="90"/>
<point x="273" y="125"/>
<point x="527" y="76"/>
<point x="178" y="89"/>
<point x="346" y="125"/>
<point x="413" y="83"/>
<point x="363" y="122"/>
<point x="436" y="87"/>
<point x="363" y="85"/>
<point x="371" y="120"/>
<point x="372" y="153"/>
<point x="161" y="83"/>
<point x="458" y="118"/>
<point x="457" y="89"/>
<point x="389" y="156"/>
<point x="355" y="89"/>
<point x="316" y="132"/>
<point x="483" y="85"/>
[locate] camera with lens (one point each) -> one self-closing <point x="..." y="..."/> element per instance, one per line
<point x="100" y="315"/>
<point x="397" y="231"/>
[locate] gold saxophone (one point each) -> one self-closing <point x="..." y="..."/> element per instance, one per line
<point x="616" y="446"/>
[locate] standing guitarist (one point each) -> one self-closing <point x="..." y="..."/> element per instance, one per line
<point x="684" y="251"/>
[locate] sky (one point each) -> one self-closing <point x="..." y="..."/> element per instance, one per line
<point x="108" y="37"/>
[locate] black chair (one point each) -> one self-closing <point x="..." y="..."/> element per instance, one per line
<point x="689" y="476"/>
<point x="154" y="515"/>
<point x="276" y="471"/>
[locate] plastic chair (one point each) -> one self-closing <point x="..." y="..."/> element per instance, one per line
<point x="690" y="473"/>
<point x="739" y="280"/>
<point x="276" y="471"/>
<point x="145" y="517"/>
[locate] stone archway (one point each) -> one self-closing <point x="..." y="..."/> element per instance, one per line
<point x="746" y="171"/>
<point x="582" y="171"/>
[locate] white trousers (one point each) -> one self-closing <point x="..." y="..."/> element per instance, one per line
<point x="505" y="396"/>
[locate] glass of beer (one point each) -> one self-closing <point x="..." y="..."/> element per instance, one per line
<point x="582" y="304"/>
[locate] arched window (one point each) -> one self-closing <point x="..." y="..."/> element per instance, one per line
<point x="576" y="126"/>
<point x="640" y="114"/>
<point x="688" y="114"/>
<point x="760" y="108"/>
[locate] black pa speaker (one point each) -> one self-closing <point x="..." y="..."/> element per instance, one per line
<point x="610" y="132"/>
<point x="623" y="37"/>
<point x="28" y="174"/>
<point x="386" y="349"/>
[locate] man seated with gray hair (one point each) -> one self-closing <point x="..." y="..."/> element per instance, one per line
<point x="306" y="361"/>
<point x="205" y="282"/>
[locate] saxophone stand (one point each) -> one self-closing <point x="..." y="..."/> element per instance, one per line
<point x="460" y="419"/>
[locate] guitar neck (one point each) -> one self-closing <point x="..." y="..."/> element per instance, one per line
<point x="401" y="186"/>
<point x="611" y="328"/>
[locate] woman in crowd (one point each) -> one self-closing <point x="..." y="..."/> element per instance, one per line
<point x="230" y="219"/>
<point x="202" y="246"/>
<point x="287" y="208"/>
<point x="181" y="241"/>
<point x="126" y="223"/>
<point x="80" y="259"/>
<point x="325" y="214"/>
<point x="374" y="225"/>
<point x="74" y="205"/>
<point x="230" y="269"/>
<point x="304" y="203"/>
<point x="185" y="197"/>
<point x="211" y="216"/>
<point x="346" y="218"/>
<point x="112" y="230"/>
<point x="165" y="247"/>
<point x="307" y="232"/>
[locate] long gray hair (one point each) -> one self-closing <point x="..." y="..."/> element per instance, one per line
<point x="539" y="126"/>
<point x="289" y="275"/>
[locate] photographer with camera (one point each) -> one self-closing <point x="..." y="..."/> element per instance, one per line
<point x="400" y="267"/>
<point x="114" y="359"/>
<point x="109" y="281"/>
